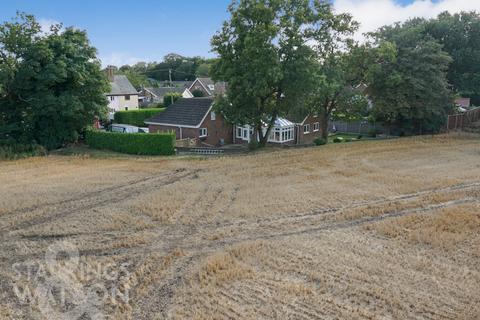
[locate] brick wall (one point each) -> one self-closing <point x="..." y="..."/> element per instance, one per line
<point x="308" y="138"/>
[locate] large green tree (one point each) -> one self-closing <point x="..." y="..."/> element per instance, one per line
<point x="411" y="91"/>
<point x="267" y="55"/>
<point x="51" y="84"/>
<point x="459" y="34"/>
<point x="337" y="93"/>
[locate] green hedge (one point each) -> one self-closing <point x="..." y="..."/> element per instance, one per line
<point x="132" y="143"/>
<point x="136" y="117"/>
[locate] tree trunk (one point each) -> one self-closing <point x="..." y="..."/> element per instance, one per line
<point x="324" y="124"/>
<point x="263" y="138"/>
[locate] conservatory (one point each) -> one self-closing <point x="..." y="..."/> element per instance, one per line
<point x="283" y="131"/>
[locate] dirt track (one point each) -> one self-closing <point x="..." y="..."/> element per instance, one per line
<point x="199" y="249"/>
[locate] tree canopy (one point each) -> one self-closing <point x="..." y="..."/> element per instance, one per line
<point x="51" y="85"/>
<point x="459" y="35"/>
<point x="407" y="78"/>
<point x="267" y="54"/>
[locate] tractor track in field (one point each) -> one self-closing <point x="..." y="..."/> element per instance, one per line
<point x="108" y="196"/>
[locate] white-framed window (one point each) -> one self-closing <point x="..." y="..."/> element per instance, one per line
<point x="112" y="98"/>
<point x="203" y="132"/>
<point x="239" y="132"/>
<point x="281" y="135"/>
<point x="211" y="87"/>
<point x="213" y="116"/>
<point x="306" y="128"/>
<point x="316" y="126"/>
<point x="127" y="97"/>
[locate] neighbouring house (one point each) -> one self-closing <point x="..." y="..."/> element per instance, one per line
<point x="208" y="87"/>
<point x="122" y="96"/>
<point x="463" y="104"/>
<point x="195" y="119"/>
<point x="155" y="95"/>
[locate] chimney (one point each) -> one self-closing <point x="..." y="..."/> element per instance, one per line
<point x="110" y="73"/>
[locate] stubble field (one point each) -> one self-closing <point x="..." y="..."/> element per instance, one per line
<point x="366" y="230"/>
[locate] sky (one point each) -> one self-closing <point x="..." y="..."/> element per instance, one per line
<point x="125" y="32"/>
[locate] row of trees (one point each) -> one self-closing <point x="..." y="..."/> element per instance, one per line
<point x="182" y="68"/>
<point x="282" y="57"/>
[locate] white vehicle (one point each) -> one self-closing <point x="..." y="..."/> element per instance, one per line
<point x="125" y="128"/>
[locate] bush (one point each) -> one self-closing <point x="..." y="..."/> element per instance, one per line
<point x="373" y="133"/>
<point x="18" y="151"/>
<point x="338" y="140"/>
<point x="167" y="99"/>
<point x="253" y="145"/>
<point x="198" y="93"/>
<point x="359" y="137"/>
<point x="135" y="117"/>
<point x="132" y="143"/>
<point x="320" y="141"/>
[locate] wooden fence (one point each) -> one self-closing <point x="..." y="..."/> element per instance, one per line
<point x="356" y="127"/>
<point x="462" y="120"/>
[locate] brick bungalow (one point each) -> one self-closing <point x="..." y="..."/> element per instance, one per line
<point x="193" y="118"/>
<point x="286" y="131"/>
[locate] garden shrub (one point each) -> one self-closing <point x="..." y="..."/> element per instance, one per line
<point x="135" y="117"/>
<point x="198" y="93"/>
<point x="253" y="145"/>
<point x="373" y="133"/>
<point x="359" y="137"/>
<point x="338" y="140"/>
<point x="320" y="141"/>
<point x="132" y="143"/>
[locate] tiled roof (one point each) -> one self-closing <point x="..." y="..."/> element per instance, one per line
<point x="160" y="92"/>
<point x="121" y="86"/>
<point x="179" y="84"/>
<point x="184" y="112"/>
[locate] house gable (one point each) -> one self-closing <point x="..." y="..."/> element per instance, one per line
<point x="200" y="86"/>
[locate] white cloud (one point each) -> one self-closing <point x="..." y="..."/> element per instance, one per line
<point x="46" y="24"/>
<point x="373" y="14"/>
<point x="120" y="59"/>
